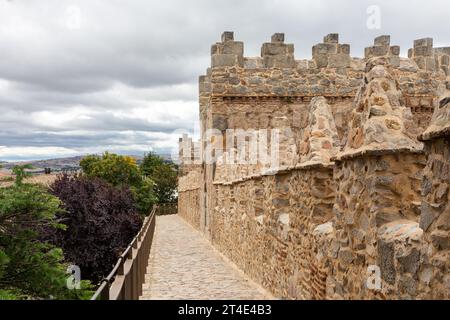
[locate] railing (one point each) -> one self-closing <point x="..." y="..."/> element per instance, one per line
<point x="165" y="209"/>
<point x="126" y="279"/>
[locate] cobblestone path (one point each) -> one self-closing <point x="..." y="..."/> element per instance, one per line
<point x="183" y="265"/>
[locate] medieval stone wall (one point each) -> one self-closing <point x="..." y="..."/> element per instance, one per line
<point x="357" y="207"/>
<point x="189" y="197"/>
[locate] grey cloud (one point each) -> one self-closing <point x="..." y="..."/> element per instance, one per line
<point x="121" y="57"/>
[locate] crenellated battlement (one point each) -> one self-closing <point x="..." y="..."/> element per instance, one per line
<point x="277" y="75"/>
<point x="348" y="184"/>
<point x="330" y="53"/>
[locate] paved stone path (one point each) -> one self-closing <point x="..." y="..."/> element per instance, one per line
<point x="183" y="265"/>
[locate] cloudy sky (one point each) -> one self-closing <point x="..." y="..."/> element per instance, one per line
<point x="85" y="76"/>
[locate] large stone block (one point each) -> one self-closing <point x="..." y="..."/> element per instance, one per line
<point x="427" y="216"/>
<point x="277" y="38"/>
<point x="340" y="60"/>
<point x="380" y="51"/>
<point x="424" y="42"/>
<point x="273" y="49"/>
<point x="331" y="38"/>
<point x="324" y="48"/>
<point x="234" y="47"/>
<point x="225" y="60"/>
<point x="386" y="261"/>
<point x="227" y="36"/>
<point x="410" y="262"/>
<point x="279" y="61"/>
<point x="410" y="53"/>
<point x="394" y="50"/>
<point x="423" y="51"/>
<point x="344" y="48"/>
<point x="384" y="40"/>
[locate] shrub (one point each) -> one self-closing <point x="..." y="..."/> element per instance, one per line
<point x="101" y="221"/>
<point x="30" y="268"/>
<point x="21" y="173"/>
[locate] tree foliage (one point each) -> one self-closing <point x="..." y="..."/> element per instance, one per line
<point x="21" y="173"/>
<point x="115" y="169"/>
<point x="101" y="221"/>
<point x="30" y="267"/>
<point x="122" y="171"/>
<point x="145" y="196"/>
<point x="164" y="176"/>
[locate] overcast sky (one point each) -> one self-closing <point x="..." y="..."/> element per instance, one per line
<point x="87" y="76"/>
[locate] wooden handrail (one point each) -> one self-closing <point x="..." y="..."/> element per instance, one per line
<point x="167" y="209"/>
<point x="128" y="275"/>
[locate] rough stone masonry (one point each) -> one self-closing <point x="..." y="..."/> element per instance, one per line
<point x="358" y="204"/>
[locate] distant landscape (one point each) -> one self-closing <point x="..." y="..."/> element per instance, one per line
<point x="59" y="164"/>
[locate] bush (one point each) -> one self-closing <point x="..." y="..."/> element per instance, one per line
<point x="30" y="268"/>
<point x="101" y="221"/>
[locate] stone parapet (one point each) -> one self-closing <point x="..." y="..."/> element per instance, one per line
<point x="191" y="181"/>
<point x="331" y="54"/>
<point x="440" y="121"/>
<point x="353" y="193"/>
<point x="381" y="122"/>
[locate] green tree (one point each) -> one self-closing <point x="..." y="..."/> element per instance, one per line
<point x="115" y="169"/>
<point x="21" y="173"/>
<point x="89" y="162"/>
<point x="30" y="267"/>
<point x="122" y="171"/>
<point x="163" y="174"/>
<point x="145" y="196"/>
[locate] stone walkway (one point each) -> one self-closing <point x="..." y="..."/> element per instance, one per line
<point x="183" y="265"/>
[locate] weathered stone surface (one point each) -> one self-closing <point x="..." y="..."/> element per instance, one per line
<point x="340" y="60"/>
<point x="386" y="129"/>
<point x="224" y="60"/>
<point x="331" y="38"/>
<point x="220" y="123"/>
<point x="386" y="261"/>
<point x="227" y="36"/>
<point x="352" y="187"/>
<point x="410" y="263"/>
<point x="321" y="138"/>
<point x="278" y="37"/>
<point x="384" y="40"/>
<point x="440" y="121"/>
<point x="428" y="215"/>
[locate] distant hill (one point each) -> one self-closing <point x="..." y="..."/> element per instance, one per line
<point x="62" y="164"/>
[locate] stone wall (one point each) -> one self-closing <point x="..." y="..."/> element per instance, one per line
<point x="263" y="225"/>
<point x="434" y="275"/>
<point x="189" y="197"/>
<point x="376" y="194"/>
<point x="355" y="196"/>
